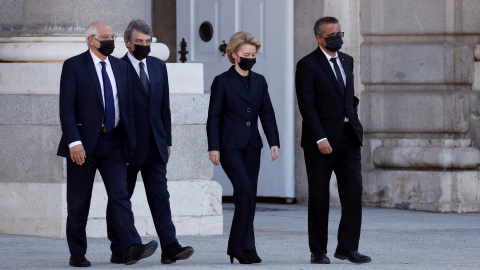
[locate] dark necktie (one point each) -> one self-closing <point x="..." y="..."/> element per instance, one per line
<point x="109" y="120"/>
<point x="144" y="78"/>
<point x="341" y="84"/>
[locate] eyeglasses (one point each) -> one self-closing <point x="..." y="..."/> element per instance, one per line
<point x="339" y="34"/>
<point x="105" y="37"/>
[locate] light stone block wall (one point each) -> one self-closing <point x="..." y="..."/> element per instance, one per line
<point x="35" y="38"/>
<point x="40" y="209"/>
<point x="44" y="78"/>
<point x="420" y="104"/>
<point x="32" y="177"/>
<point x="68" y="17"/>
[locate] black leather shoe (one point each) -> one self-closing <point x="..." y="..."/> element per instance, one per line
<point x="352" y="256"/>
<point x="139" y="251"/>
<point x="117" y="257"/>
<point x="79" y="261"/>
<point x="175" y="252"/>
<point x="252" y="256"/>
<point x="320" y="259"/>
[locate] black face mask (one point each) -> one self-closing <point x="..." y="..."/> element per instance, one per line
<point x="140" y="51"/>
<point x="247" y="63"/>
<point x="333" y="43"/>
<point x="106" y="47"/>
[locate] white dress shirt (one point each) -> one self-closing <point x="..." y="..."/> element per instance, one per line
<point x="344" y="76"/>
<point x="111" y="76"/>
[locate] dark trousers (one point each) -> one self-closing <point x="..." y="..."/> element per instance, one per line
<point x="154" y="178"/>
<point x="242" y="167"/>
<point x="346" y="163"/>
<point x="109" y="160"/>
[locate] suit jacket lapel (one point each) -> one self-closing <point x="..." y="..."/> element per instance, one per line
<point x="328" y="70"/>
<point x="117" y="74"/>
<point x="93" y="74"/>
<point x="155" y="77"/>
<point x="348" y="71"/>
<point x="135" y="77"/>
<point x="253" y="90"/>
<point x="237" y="84"/>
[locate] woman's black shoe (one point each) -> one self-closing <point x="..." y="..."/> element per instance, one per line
<point x="252" y="256"/>
<point x="244" y="260"/>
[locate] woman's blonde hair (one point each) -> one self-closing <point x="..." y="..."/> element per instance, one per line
<point x="237" y="40"/>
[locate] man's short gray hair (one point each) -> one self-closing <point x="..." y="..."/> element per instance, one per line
<point x="138" y="25"/>
<point x="92" y="30"/>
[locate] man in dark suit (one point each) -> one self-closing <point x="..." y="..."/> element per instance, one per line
<point x="153" y="140"/>
<point x="331" y="139"/>
<point x="94" y="118"/>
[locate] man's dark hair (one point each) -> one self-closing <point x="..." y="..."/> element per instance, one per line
<point x="318" y="24"/>
<point x="138" y="25"/>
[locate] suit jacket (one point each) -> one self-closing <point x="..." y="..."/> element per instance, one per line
<point x="233" y="113"/>
<point x="81" y="102"/>
<point x="321" y="104"/>
<point x="151" y="110"/>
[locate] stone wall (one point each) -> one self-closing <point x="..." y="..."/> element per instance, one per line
<point x="414" y="69"/>
<point x="32" y="178"/>
<point x="68" y="17"/>
<point x="418" y="108"/>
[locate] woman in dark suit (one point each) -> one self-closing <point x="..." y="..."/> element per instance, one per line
<point x="238" y="98"/>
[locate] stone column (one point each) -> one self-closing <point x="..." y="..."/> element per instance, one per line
<point x="418" y="108"/>
<point x="37" y="36"/>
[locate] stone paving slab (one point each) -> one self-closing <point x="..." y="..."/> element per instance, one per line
<point x="395" y="239"/>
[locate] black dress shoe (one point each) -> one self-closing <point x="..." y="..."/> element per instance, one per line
<point x="79" y="261"/>
<point x="175" y="252"/>
<point x="139" y="251"/>
<point x="352" y="256"/>
<point x="320" y="259"/>
<point x="252" y="256"/>
<point x="117" y="257"/>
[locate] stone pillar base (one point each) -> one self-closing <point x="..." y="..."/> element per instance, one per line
<point x="437" y="191"/>
<point x="40" y="209"/>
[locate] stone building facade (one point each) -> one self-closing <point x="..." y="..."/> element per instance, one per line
<point x="418" y="84"/>
<point x="35" y="38"/>
<point x="417" y="73"/>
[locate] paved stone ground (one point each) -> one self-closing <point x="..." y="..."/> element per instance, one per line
<point x="395" y="239"/>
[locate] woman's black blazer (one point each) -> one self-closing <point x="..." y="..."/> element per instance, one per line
<point x="233" y="113"/>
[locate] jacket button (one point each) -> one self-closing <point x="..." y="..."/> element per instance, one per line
<point x="248" y="110"/>
<point x="248" y="123"/>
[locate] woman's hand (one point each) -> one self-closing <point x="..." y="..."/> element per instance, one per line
<point x="275" y="152"/>
<point x="214" y="157"/>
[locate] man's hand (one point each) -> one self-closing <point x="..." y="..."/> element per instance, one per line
<point x="214" y="157"/>
<point x="168" y="150"/>
<point x="324" y="147"/>
<point x="77" y="154"/>
<point x="275" y="152"/>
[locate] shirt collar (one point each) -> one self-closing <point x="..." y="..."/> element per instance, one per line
<point x="135" y="61"/>
<point x="97" y="60"/>
<point x="327" y="55"/>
